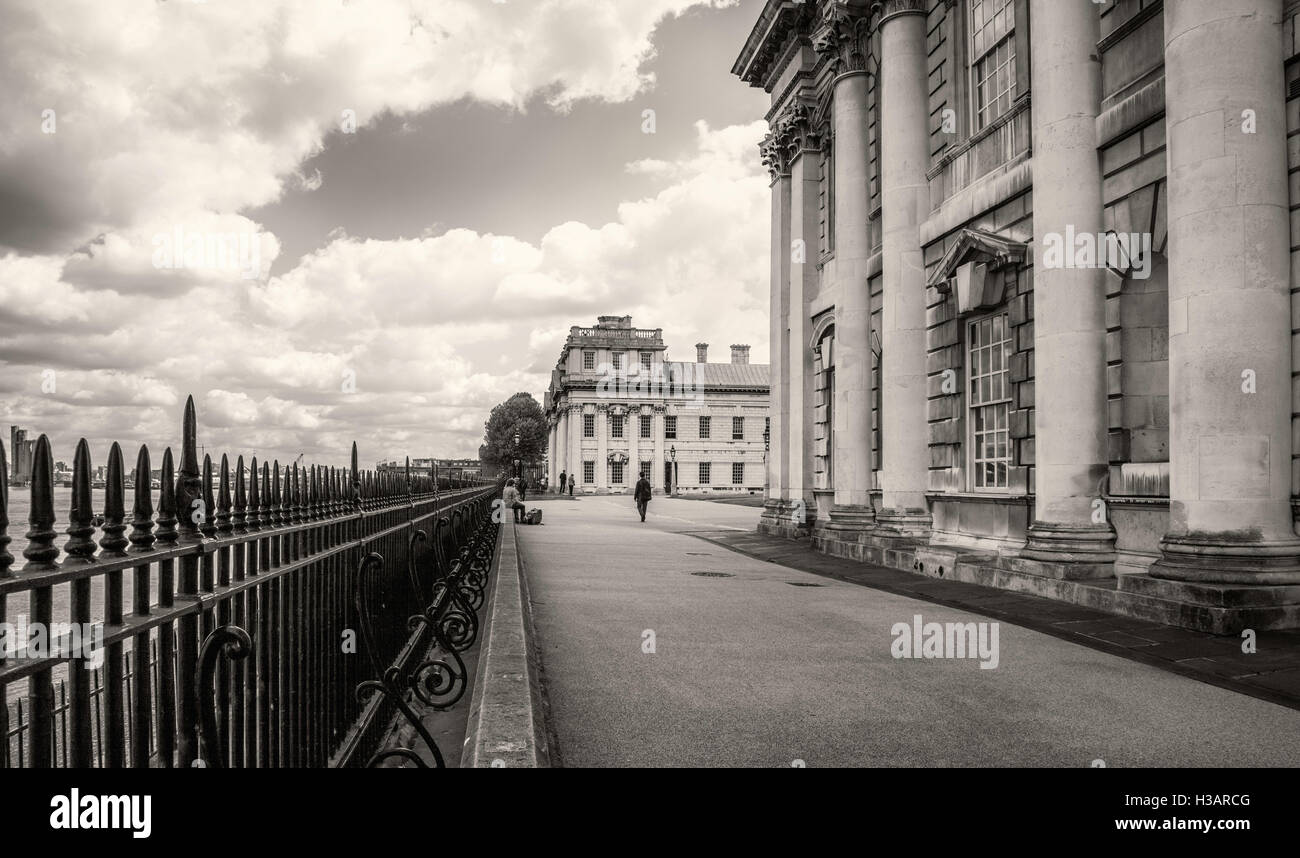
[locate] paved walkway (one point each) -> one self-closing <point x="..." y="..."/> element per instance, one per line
<point x="749" y="670"/>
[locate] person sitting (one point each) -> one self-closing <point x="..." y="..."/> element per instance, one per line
<point x="511" y="498"/>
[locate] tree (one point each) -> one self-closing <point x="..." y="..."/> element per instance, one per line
<point x="520" y="413"/>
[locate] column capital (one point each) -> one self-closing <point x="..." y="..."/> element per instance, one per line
<point x="843" y="35"/>
<point x="894" y="8"/>
<point x="774" y="156"/>
<point x="796" y="132"/>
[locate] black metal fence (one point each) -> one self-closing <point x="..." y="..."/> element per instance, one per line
<point x="281" y="559"/>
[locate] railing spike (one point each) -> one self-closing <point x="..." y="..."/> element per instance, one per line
<point x="355" y="488"/>
<point x="286" y="500"/>
<point x="81" y="516"/>
<point x="142" y="538"/>
<point x="254" y="498"/>
<point x="189" y="488"/>
<point x="41" y="552"/>
<point x="240" y="518"/>
<point x="264" y="519"/>
<point x="207" y="521"/>
<point x="276" y="521"/>
<point x="6" y="559"/>
<point x="113" y="541"/>
<point x="313" y="497"/>
<point x="223" y="523"/>
<point x="331" y="498"/>
<point x="167" y="520"/>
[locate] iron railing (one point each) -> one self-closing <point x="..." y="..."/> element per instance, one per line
<point x="280" y="561"/>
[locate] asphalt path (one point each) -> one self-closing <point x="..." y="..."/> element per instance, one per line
<point x="648" y="663"/>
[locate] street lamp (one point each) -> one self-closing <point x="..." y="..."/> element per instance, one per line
<point x="517" y="463"/>
<point x="672" y="453"/>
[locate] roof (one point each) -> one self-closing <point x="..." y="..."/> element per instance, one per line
<point x="729" y="374"/>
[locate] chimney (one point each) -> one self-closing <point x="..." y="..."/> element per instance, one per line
<point x="740" y="354"/>
<point x="701" y="352"/>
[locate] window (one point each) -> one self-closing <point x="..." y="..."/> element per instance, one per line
<point x="646" y="426"/>
<point x="670" y="427"/>
<point x="617" y="359"/>
<point x="645" y="360"/>
<point x="588" y="360"/>
<point x="704" y="473"/>
<point x="993" y="58"/>
<point x="616" y="425"/>
<point x="589" y="425"/>
<point x="645" y="469"/>
<point x="616" y="473"/>
<point x="704" y="427"/>
<point x="738" y="428"/>
<point x="989" y="397"/>
<point x="589" y="472"/>
<point x="737" y="473"/>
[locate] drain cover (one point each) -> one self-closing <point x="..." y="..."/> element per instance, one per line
<point x="698" y="554"/>
<point x="713" y="574"/>
<point x="801" y="584"/>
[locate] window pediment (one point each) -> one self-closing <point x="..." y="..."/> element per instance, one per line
<point x="964" y="269"/>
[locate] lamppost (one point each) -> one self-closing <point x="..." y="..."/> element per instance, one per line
<point x="767" y="445"/>
<point x="672" y="453"/>
<point x="517" y="462"/>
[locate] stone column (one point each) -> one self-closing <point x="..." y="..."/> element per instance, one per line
<point x="1070" y="416"/>
<point x="575" y="442"/>
<point x="563" y="446"/>
<point x="803" y="142"/>
<point x="843" y="36"/>
<point x="777" y="162"/>
<point x="1229" y="309"/>
<point x="905" y="204"/>
<point x="657" y="429"/>
<point x="551" y="474"/>
<point x="602" y="448"/>
<point x="632" y="429"/>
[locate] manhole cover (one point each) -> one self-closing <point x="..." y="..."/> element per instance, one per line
<point x="801" y="584"/>
<point x="713" y="574"/>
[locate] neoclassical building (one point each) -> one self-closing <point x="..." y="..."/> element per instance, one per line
<point x="618" y="407"/>
<point x="1033" y="295"/>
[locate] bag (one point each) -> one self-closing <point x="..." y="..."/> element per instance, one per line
<point x="534" y="517"/>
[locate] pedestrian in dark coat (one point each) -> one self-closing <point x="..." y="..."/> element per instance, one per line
<point x="642" y="495"/>
<point x="563" y="478"/>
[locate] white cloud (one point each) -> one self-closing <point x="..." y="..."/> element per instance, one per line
<point x="183" y="107"/>
<point x="184" y="114"/>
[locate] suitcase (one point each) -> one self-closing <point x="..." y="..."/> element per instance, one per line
<point x="534" y="516"/>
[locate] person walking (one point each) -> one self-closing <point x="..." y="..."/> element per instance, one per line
<point x="511" y="499"/>
<point x="642" y="495"/>
<point x="523" y="488"/>
<point x="563" y="478"/>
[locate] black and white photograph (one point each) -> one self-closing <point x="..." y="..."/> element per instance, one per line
<point x="901" y="385"/>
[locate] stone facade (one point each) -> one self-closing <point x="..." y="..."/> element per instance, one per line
<point x="617" y="406"/>
<point x="1034" y="295"/>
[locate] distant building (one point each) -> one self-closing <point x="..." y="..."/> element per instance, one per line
<point x="21" y="452"/>
<point x="618" y="408"/>
<point x="454" y="468"/>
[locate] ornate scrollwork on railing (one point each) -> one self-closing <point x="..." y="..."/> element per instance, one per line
<point x="437" y="683"/>
<point x="236" y="645"/>
<point x="393" y="688"/>
<point x="369" y="579"/>
<point x="412" y="568"/>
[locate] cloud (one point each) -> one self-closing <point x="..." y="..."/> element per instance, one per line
<point x="403" y="344"/>
<point x="175" y="118"/>
<point x="165" y="109"/>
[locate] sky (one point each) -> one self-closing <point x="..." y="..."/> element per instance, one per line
<point x="421" y="197"/>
